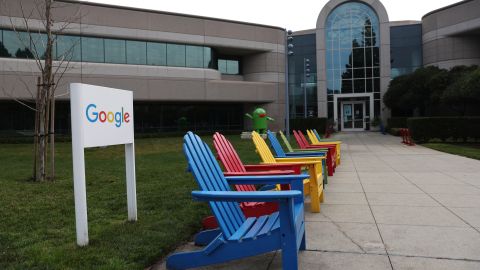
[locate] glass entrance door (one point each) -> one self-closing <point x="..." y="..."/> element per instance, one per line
<point x="353" y="114"/>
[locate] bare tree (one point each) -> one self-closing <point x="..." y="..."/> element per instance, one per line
<point x="38" y="31"/>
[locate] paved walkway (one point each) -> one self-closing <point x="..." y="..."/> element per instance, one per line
<point x="391" y="206"/>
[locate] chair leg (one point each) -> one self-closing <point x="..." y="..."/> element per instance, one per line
<point x="329" y="165"/>
<point x="289" y="257"/>
<point x="303" y="244"/>
<point x="324" y="171"/>
<point x="314" y="196"/>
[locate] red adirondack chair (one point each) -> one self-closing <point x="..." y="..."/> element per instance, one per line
<point x="234" y="167"/>
<point x="304" y="144"/>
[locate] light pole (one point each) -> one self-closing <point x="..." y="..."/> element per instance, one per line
<point x="306" y="74"/>
<point x="288" y="52"/>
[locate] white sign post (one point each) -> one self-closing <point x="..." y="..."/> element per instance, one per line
<point x="101" y="116"/>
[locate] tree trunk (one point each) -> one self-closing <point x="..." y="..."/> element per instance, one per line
<point x="41" y="142"/>
<point x="52" y="139"/>
<point x="35" y="174"/>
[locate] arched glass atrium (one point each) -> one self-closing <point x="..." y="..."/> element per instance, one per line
<point x="352" y="42"/>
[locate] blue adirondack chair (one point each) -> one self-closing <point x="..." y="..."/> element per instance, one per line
<point x="280" y="153"/>
<point x="241" y="237"/>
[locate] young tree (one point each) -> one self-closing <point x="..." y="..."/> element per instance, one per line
<point x="416" y="91"/>
<point x="38" y="41"/>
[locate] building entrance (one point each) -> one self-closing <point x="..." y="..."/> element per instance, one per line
<point x="353" y="115"/>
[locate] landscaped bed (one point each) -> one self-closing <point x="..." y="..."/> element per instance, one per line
<point x="37" y="228"/>
<point x="470" y="150"/>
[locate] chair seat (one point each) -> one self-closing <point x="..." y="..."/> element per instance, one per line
<point x="255" y="227"/>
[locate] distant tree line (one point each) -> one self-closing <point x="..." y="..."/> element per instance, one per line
<point x="432" y="91"/>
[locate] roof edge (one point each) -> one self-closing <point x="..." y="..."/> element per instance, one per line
<point x="166" y="13"/>
<point x="446" y="7"/>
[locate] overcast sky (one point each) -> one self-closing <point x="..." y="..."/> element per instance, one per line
<point x="299" y="15"/>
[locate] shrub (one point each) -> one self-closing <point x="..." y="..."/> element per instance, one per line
<point x="397" y="122"/>
<point x="394" y="131"/>
<point x="424" y="129"/>
<point x="320" y="124"/>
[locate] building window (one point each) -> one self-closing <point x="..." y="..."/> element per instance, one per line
<point x="115" y="52"/>
<point x="17" y="44"/>
<point x="194" y="56"/>
<point x="352" y="41"/>
<point x="156" y="54"/>
<point x="405" y="49"/>
<point x="207" y="58"/>
<point x="136" y="52"/>
<point x="106" y="50"/>
<point x="68" y="48"/>
<point x="175" y="55"/>
<point x="38" y="45"/>
<point x="93" y="50"/>
<point x="352" y="49"/>
<point x="227" y="66"/>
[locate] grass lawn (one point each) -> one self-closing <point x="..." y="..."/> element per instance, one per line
<point x="470" y="150"/>
<point x="37" y="228"/>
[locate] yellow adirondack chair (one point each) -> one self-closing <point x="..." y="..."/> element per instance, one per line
<point x="313" y="186"/>
<point x="314" y="141"/>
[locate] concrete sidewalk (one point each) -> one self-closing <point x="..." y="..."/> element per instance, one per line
<point x="391" y="206"/>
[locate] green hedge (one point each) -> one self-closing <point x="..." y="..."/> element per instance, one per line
<point x="424" y="129"/>
<point x="320" y="124"/>
<point x="397" y="122"/>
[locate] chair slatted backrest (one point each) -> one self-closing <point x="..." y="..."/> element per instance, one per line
<point x="230" y="159"/>
<point x="227" y="154"/>
<point x="275" y="144"/>
<point x="300" y="139"/>
<point x="209" y="177"/>
<point x="316" y="134"/>
<point x="262" y="148"/>
<point x="303" y="138"/>
<point x="312" y="137"/>
<point x="285" y="141"/>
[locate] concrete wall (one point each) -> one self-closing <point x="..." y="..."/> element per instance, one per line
<point x="451" y="35"/>
<point x="260" y="47"/>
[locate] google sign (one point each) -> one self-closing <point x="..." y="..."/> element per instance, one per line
<point x="94" y="116"/>
<point x="101" y="116"/>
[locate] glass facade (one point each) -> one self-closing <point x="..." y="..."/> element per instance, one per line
<point x="304" y="48"/>
<point x="352" y="41"/>
<point x="150" y="117"/>
<point x="162" y="117"/>
<point x="405" y="49"/>
<point x="114" y="51"/>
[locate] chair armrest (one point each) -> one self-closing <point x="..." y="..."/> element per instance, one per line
<point x="318" y="147"/>
<point x="266" y="179"/>
<point x="330" y="141"/>
<point x="307" y="154"/>
<point x="265" y="167"/>
<point x="260" y="173"/>
<point x="306" y="150"/>
<point x="246" y="196"/>
<point x="325" y="144"/>
<point x="300" y="160"/>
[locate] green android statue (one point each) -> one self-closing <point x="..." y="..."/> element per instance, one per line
<point x="260" y="120"/>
